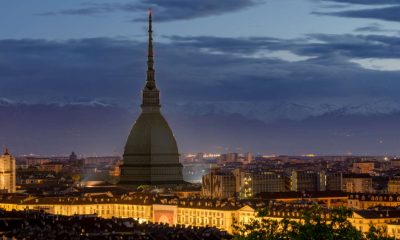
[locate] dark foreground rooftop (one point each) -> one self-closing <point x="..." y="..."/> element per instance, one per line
<point x="39" y="225"/>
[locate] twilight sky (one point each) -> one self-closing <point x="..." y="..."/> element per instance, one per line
<point x="286" y="63"/>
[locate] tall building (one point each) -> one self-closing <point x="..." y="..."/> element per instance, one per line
<point x="394" y="185"/>
<point x="251" y="183"/>
<point x="219" y="184"/>
<point x="151" y="154"/>
<point x="228" y="158"/>
<point x="363" y="167"/>
<point x="7" y="173"/>
<point x="248" y="157"/>
<point x="307" y="181"/>
<point x="73" y="157"/>
<point x="334" y="181"/>
<point x="357" y="183"/>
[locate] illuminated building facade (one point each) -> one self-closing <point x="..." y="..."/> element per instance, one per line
<point x="7" y="173"/>
<point x="250" y="183"/>
<point x="188" y="212"/>
<point x="365" y="200"/>
<point x="363" y="167"/>
<point x="394" y="185"/>
<point x="307" y="181"/>
<point x="247" y="183"/>
<point x="327" y="198"/>
<point x="201" y="212"/>
<point x="357" y="183"/>
<point x="219" y="184"/>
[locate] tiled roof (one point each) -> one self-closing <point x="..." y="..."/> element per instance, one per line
<point x="294" y="195"/>
<point x="38" y="225"/>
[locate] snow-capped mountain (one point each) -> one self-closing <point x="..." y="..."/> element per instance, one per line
<point x="96" y="127"/>
<point x="270" y="111"/>
<point x="6" y="102"/>
<point x="78" y="102"/>
<point x="91" y="103"/>
<point x="267" y="112"/>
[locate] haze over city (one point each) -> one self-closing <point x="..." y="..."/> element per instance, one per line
<point x="275" y="77"/>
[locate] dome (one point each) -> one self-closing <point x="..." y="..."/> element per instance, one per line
<point x="151" y="154"/>
<point x="150" y="135"/>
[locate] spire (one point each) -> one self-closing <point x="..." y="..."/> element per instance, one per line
<point x="6" y="153"/>
<point x="150" y="56"/>
<point x="151" y="95"/>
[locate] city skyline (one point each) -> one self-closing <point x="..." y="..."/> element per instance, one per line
<point x="259" y="76"/>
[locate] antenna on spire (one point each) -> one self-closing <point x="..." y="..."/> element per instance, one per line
<point x="150" y="55"/>
<point x="150" y="51"/>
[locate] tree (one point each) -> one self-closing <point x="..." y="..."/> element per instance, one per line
<point x="375" y="233"/>
<point x="314" y="223"/>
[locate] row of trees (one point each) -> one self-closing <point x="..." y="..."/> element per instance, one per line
<point x="312" y="226"/>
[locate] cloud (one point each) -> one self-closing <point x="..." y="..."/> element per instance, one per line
<point x="94" y="10"/>
<point x="386" y="10"/>
<point x="321" y="46"/>
<point x="379" y="64"/>
<point x="374" y="27"/>
<point x="365" y="2"/>
<point x="384" y="13"/>
<point x="170" y="10"/>
<point x="191" y="69"/>
<point x="198" y="68"/>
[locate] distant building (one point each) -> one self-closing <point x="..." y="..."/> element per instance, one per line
<point x="334" y="181"/>
<point x="110" y="160"/>
<point x="35" y="161"/>
<point x="357" y="183"/>
<point x="395" y="163"/>
<point x="7" y="173"/>
<point x="248" y="157"/>
<point x="116" y="170"/>
<point x="394" y="185"/>
<point x="228" y="158"/>
<point x="363" y="167"/>
<point x="307" y="181"/>
<point x="73" y="157"/>
<point x="251" y="183"/>
<point x="51" y="167"/>
<point x="218" y="184"/>
<point x="59" y="159"/>
<point x="199" y="157"/>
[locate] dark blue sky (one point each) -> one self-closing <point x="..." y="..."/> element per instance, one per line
<point x="263" y="60"/>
